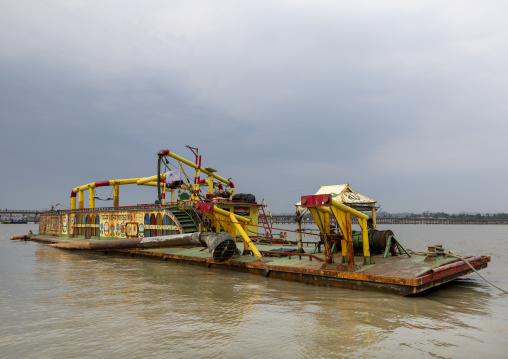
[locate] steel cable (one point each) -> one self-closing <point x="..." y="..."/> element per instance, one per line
<point x="450" y="253"/>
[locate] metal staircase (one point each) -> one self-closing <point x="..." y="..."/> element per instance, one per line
<point x="184" y="219"/>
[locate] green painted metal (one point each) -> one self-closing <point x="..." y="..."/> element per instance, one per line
<point x="358" y="240"/>
<point x="368" y="260"/>
<point x="396" y="244"/>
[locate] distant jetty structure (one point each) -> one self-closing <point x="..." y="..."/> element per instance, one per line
<point x="24" y="214"/>
<point x="33" y="216"/>
<point x="289" y="219"/>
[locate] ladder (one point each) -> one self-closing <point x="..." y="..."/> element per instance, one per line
<point x="263" y="219"/>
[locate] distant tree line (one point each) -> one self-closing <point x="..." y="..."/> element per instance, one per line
<point x="428" y="214"/>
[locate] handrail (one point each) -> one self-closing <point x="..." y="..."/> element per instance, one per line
<point x="196" y="216"/>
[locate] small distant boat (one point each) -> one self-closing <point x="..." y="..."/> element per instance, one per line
<point x="14" y="221"/>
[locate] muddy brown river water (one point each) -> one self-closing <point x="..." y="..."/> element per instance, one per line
<point x="61" y="304"/>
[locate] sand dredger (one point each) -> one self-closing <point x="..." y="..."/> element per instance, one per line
<point x="229" y="225"/>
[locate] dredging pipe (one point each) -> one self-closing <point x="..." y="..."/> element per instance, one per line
<point x="221" y="245"/>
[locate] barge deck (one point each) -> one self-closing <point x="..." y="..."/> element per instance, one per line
<point x="401" y="275"/>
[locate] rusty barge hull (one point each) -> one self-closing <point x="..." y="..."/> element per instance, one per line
<point x="401" y="275"/>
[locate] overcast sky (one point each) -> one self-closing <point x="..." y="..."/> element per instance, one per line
<point x="403" y="100"/>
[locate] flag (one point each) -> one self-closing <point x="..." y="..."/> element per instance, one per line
<point x="172" y="176"/>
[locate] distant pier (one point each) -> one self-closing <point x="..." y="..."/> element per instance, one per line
<point x="34" y="215"/>
<point x="290" y="219"/>
<point x="29" y="215"/>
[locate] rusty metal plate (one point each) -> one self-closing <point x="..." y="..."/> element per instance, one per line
<point x="319" y="200"/>
<point x="204" y="207"/>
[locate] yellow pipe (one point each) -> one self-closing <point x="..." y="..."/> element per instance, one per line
<point x="116" y="194"/>
<point x="111" y="183"/>
<point x="144" y="180"/>
<point x="227" y="213"/>
<point x="344" y="221"/>
<point x="362" y="221"/>
<point x="80" y="194"/>
<point x="325" y="210"/>
<point x="365" y="239"/>
<point x="339" y="217"/>
<point x="147" y="181"/>
<point x="324" y="228"/>
<point x="325" y="220"/>
<point x="345" y="208"/>
<point x="91" y="186"/>
<point x="315" y="216"/>
<point x="209" y="181"/>
<point x="92" y="196"/>
<point x="245" y="237"/>
<point x="117" y="182"/>
<point x="81" y="188"/>
<point x="195" y="166"/>
<point x="123" y="181"/>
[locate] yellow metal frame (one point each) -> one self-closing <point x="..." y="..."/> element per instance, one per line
<point x="362" y="221"/>
<point x="237" y="223"/>
<point x="342" y="214"/>
<point x="321" y="216"/>
<point x="344" y="222"/>
<point x="240" y="227"/>
<point x="91" y="188"/>
<point x="204" y="170"/>
<point x="148" y="181"/>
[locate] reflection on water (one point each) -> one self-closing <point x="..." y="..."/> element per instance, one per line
<point x="57" y="303"/>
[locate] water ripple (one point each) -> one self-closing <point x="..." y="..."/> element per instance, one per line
<point x="55" y="303"/>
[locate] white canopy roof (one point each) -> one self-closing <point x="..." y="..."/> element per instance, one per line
<point x="344" y="194"/>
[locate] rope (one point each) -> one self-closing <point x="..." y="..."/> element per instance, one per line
<point x="165" y="165"/>
<point x="105" y="199"/>
<point x="455" y="255"/>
